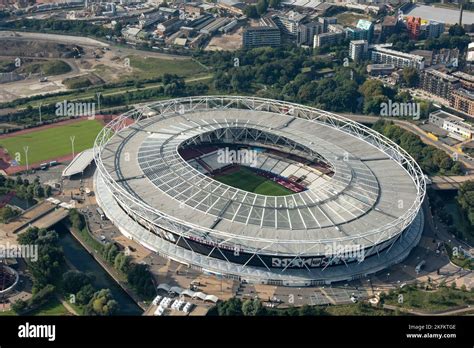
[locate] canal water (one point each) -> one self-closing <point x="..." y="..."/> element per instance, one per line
<point x="84" y="262"/>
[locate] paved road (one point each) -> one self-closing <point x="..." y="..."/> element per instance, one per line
<point x="85" y="41"/>
<point x="105" y="93"/>
<point x="422" y="313"/>
<point x="450" y="182"/>
<point x="66" y="305"/>
<point x="77" y="40"/>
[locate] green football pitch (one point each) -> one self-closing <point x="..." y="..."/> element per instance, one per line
<point x="246" y="179"/>
<point x="52" y="142"/>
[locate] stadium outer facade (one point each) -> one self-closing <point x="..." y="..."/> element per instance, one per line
<point x="371" y="203"/>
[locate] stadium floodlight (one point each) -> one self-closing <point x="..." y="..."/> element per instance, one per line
<point x="72" y="138"/>
<point x="25" y="149"/>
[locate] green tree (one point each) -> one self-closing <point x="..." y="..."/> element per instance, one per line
<point x="275" y="3"/>
<point x="456" y="30"/>
<point x="262" y="6"/>
<point x="102" y="303"/>
<point x="232" y="307"/>
<point x="109" y="252"/>
<point x="38" y="191"/>
<point x="73" y="281"/>
<point x="48" y="267"/>
<point x="251" y="11"/>
<point x="19" y="180"/>
<point x="122" y="262"/>
<point x="76" y="219"/>
<point x="85" y="294"/>
<point x="410" y="77"/>
<point x="19" y="306"/>
<point x="6" y="213"/>
<point x="251" y="307"/>
<point x="465" y="198"/>
<point x="141" y="279"/>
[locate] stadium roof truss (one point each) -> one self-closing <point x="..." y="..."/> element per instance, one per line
<point x="157" y="221"/>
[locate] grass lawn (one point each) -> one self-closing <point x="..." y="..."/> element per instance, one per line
<point x="87" y="238"/>
<point x="153" y="67"/>
<point x="52" y="307"/>
<point x="460" y="260"/>
<point x="52" y="142"/>
<point x="9" y="313"/>
<point x="246" y="179"/>
<point x="356" y="309"/>
<point x="50" y="67"/>
<point x="7" y="65"/>
<point x="77" y="82"/>
<point x="442" y="299"/>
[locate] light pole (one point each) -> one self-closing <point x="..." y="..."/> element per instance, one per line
<point x="25" y="148"/>
<point x="98" y="102"/>
<point x="72" y="137"/>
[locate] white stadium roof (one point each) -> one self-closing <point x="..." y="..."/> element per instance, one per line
<point x="369" y="198"/>
<point x="79" y="163"/>
<point x="359" y="204"/>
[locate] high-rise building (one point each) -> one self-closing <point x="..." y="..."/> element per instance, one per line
<point x="367" y="27"/>
<point x="467" y="80"/>
<point x="438" y="83"/>
<point x="358" y="50"/>
<point x="307" y="31"/>
<point x="325" y="21"/>
<point x="414" y="27"/>
<point x="463" y="100"/>
<point x="266" y="34"/>
<point x="356" y="33"/>
<point x="289" y="22"/>
<point x="434" y="30"/>
<point x="328" y="39"/>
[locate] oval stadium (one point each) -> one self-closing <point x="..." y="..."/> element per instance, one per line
<point x="259" y="190"/>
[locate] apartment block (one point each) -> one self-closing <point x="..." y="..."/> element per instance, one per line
<point x="438" y="83"/>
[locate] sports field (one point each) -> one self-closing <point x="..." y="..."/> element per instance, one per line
<point x="149" y="67"/>
<point x="247" y="180"/>
<point x="52" y="142"/>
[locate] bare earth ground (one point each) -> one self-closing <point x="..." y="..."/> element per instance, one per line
<point x="110" y="65"/>
<point x="227" y="42"/>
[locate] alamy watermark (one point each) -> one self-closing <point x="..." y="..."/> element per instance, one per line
<point x="395" y="109"/>
<point x="14" y="251"/>
<point x="346" y="252"/>
<point x="242" y="156"/>
<point x="75" y="109"/>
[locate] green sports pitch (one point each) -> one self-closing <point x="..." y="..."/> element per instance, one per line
<point x="53" y="142"/>
<point x="245" y="179"/>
